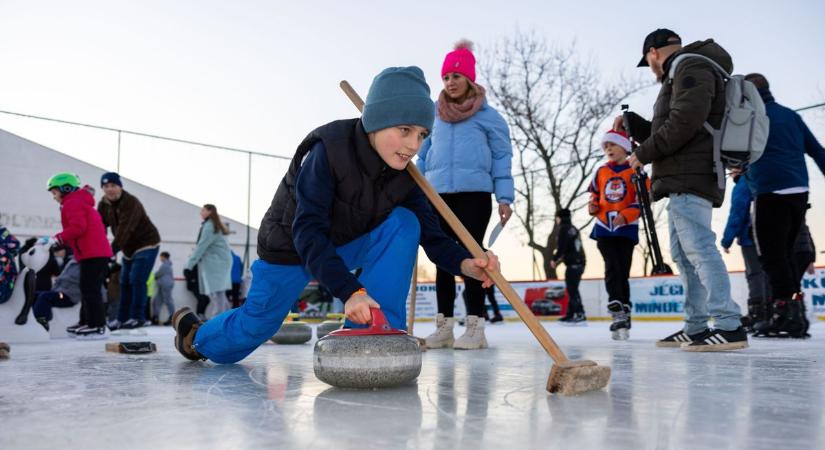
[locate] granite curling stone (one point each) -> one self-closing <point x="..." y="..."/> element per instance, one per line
<point x="293" y="332"/>
<point x="335" y="322"/>
<point x="364" y="358"/>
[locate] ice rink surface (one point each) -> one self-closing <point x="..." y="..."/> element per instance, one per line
<point x="69" y="394"/>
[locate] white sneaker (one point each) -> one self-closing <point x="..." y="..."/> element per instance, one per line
<point x="443" y="335"/>
<point x="473" y="338"/>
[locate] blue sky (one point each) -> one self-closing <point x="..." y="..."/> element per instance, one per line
<point x="260" y="75"/>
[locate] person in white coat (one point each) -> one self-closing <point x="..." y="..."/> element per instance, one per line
<point x="214" y="261"/>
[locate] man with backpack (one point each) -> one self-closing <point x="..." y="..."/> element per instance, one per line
<point x="779" y="182"/>
<point x="686" y="171"/>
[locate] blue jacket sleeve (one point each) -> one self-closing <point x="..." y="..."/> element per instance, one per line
<point x="441" y="250"/>
<point x="498" y="138"/>
<point x="812" y="147"/>
<point x="739" y="215"/>
<point x="315" y="193"/>
<point x="421" y="163"/>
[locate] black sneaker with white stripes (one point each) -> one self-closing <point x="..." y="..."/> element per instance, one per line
<point x="678" y="338"/>
<point x="719" y="340"/>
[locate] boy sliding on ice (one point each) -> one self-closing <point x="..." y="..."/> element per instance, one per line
<point x="614" y="204"/>
<point x="346" y="202"/>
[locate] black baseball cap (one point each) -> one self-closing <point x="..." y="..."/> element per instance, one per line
<point x="659" y="38"/>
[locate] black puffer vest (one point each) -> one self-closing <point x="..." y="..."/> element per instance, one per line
<point x="366" y="191"/>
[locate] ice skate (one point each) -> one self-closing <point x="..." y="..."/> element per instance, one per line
<point x="576" y="320"/>
<point x="620" y="328"/>
<point x="88" y="333"/>
<point x="788" y="320"/>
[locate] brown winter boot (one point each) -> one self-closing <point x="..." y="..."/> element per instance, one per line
<point x="186" y="324"/>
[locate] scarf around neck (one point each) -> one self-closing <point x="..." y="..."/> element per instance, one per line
<point x="450" y="111"/>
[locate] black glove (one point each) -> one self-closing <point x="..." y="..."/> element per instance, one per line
<point x="639" y="127"/>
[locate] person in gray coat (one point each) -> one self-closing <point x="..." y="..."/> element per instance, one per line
<point x="165" y="282"/>
<point x="214" y="261"/>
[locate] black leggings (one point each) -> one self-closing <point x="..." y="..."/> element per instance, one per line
<point x="572" y="278"/>
<point x="473" y="209"/>
<point x="92" y="273"/>
<point x="618" y="255"/>
<point x="778" y="219"/>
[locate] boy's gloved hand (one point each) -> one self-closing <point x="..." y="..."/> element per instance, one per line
<point x="357" y="308"/>
<point x="474" y="267"/>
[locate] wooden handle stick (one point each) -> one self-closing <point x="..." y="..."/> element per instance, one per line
<point x="464" y="236"/>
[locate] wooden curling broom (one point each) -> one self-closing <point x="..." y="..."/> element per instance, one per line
<point x="566" y="377"/>
<point x="411" y="317"/>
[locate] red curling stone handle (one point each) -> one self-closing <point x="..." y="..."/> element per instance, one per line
<point x="378" y="326"/>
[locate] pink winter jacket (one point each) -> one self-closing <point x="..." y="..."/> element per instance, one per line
<point x="83" y="229"/>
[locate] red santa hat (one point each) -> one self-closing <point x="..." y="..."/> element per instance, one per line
<point x="619" y="138"/>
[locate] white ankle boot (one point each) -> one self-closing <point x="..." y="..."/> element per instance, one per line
<point x="473" y="338"/>
<point x="443" y="335"/>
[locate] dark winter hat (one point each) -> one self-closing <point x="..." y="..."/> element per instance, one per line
<point x="111" y="177"/>
<point x="563" y="213"/>
<point x="398" y="96"/>
<point x="659" y="38"/>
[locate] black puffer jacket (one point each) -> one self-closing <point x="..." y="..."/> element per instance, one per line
<point x="366" y="191"/>
<point x="678" y="145"/>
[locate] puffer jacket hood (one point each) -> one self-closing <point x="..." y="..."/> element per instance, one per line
<point x="83" y="229"/>
<point x="707" y="48"/>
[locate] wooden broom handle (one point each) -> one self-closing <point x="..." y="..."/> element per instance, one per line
<point x="413" y="295"/>
<point x="464" y="236"/>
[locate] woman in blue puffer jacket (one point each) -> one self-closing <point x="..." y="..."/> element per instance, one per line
<point x="466" y="158"/>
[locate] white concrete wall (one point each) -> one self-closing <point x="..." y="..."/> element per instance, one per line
<point x="27" y="209"/>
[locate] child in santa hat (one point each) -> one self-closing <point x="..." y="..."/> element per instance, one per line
<point x="614" y="204"/>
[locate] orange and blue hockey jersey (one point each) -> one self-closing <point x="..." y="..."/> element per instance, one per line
<point x="613" y="191"/>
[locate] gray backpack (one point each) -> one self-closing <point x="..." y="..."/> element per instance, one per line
<point x="742" y="137"/>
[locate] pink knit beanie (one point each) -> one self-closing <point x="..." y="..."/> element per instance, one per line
<point x="460" y="60"/>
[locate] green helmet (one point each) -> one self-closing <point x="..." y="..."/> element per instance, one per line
<point x="63" y="179"/>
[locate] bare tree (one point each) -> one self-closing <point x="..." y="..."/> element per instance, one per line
<point x="557" y="107"/>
